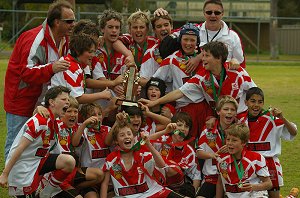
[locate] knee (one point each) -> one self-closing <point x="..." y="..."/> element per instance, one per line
<point x="68" y="162"/>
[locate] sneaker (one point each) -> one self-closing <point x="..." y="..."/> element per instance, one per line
<point x="294" y="192"/>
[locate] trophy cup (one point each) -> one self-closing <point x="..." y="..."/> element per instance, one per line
<point x="130" y="84"/>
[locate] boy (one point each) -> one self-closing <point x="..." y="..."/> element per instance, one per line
<point x="94" y="150"/>
<point x="267" y="127"/>
<point x="212" y="143"/>
<point x="183" y="172"/>
<point x="162" y="27"/>
<point x="243" y="173"/>
<point x="210" y="82"/>
<point x="29" y="156"/>
<point x="130" y="170"/>
<point x="82" y="48"/>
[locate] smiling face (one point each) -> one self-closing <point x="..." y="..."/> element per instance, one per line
<point x="153" y="93"/>
<point x="184" y="128"/>
<point x="188" y="43"/>
<point x="60" y="104"/>
<point x="211" y="63"/>
<point x="213" y="21"/>
<point x="235" y="146"/>
<point x="162" y="28"/>
<point x="87" y="56"/>
<point x="70" y="118"/>
<point x="227" y="114"/>
<point x="125" y="138"/>
<point x="138" y="31"/>
<point x="136" y="122"/>
<point x="111" y="31"/>
<point x="255" y="105"/>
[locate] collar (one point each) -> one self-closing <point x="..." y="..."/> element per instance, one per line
<point x="231" y="160"/>
<point x="224" y="29"/>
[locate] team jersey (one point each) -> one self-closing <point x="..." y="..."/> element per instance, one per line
<point x="137" y="51"/>
<point x="150" y="62"/>
<point x="137" y="181"/>
<point x="63" y="138"/>
<point x="24" y="176"/>
<point x="173" y="71"/>
<point x="108" y="66"/>
<point x="235" y="83"/>
<point x="185" y="158"/>
<point x="94" y="150"/>
<point x="266" y="133"/>
<point x="211" y="140"/>
<point x="254" y="165"/>
<point x="73" y="78"/>
<point x="224" y="35"/>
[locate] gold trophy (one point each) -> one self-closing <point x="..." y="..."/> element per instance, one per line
<point x="130" y="84"/>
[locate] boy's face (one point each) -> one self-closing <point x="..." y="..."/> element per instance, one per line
<point x="162" y="28"/>
<point x="60" y="104"/>
<point x="234" y="145"/>
<point x="98" y="113"/>
<point x="111" y="30"/>
<point x="153" y="93"/>
<point x="255" y="104"/>
<point x="209" y="61"/>
<point x="136" y="122"/>
<point x="138" y="31"/>
<point x="227" y="114"/>
<point x="87" y="56"/>
<point x="188" y="43"/>
<point x="125" y="138"/>
<point x="184" y="128"/>
<point x="71" y="117"/>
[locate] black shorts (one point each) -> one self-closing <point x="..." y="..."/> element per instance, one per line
<point x="49" y="165"/>
<point x="207" y="190"/>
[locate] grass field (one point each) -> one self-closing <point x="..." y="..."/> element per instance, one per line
<point x="280" y="82"/>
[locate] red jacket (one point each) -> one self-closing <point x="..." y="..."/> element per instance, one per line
<point x="29" y="67"/>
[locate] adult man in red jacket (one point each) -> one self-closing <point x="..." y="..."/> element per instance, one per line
<point x="33" y="62"/>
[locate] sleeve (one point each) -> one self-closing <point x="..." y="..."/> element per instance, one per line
<point x="192" y="89"/>
<point x="202" y="141"/>
<point x="261" y="166"/>
<point x="33" y="127"/>
<point x="98" y="71"/>
<point x="238" y="52"/>
<point x="30" y="57"/>
<point x="149" y="66"/>
<point x="282" y="130"/>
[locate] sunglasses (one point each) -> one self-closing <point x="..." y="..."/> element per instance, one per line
<point x="68" y="21"/>
<point x="209" y="12"/>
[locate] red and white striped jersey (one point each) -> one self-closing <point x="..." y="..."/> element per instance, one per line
<point x="94" y="150"/>
<point x="150" y="62"/>
<point x="135" y="182"/>
<point x="73" y="78"/>
<point x="235" y="84"/>
<point x="172" y="71"/>
<point x="254" y="165"/>
<point x="24" y="177"/>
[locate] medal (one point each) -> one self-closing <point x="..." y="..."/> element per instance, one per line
<point x="240" y="184"/>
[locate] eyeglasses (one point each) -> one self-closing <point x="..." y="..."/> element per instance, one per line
<point x="209" y="12"/>
<point x="68" y="21"/>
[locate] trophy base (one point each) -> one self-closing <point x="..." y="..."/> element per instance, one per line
<point x="126" y="103"/>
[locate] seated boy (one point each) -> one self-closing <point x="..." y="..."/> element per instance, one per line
<point x="29" y="156"/>
<point x="242" y="173"/>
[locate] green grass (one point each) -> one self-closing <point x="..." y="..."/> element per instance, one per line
<point x="280" y="82"/>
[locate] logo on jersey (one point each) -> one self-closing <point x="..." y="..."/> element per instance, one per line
<point x="211" y="139"/>
<point x="223" y="169"/>
<point x="165" y="150"/>
<point x="117" y="171"/>
<point x="208" y="87"/>
<point x="46" y="138"/>
<point x="91" y="137"/>
<point x="100" y="57"/>
<point x="235" y="86"/>
<point x="63" y="137"/>
<point x="157" y="56"/>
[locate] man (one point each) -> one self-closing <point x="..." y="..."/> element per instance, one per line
<point x="33" y="62"/>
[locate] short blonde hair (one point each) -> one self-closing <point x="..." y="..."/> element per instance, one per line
<point x="226" y="99"/>
<point x="239" y="130"/>
<point x="144" y="16"/>
<point x="73" y="102"/>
